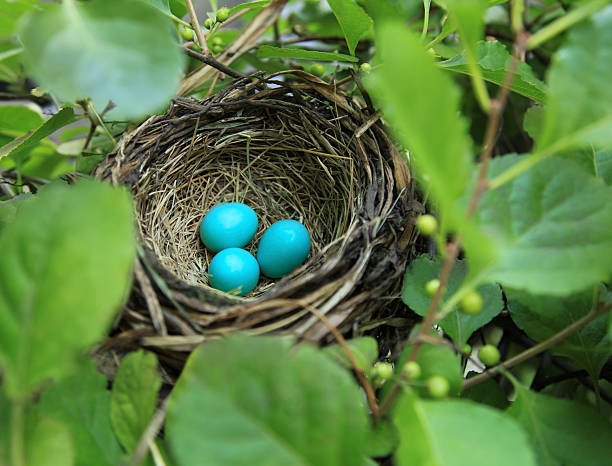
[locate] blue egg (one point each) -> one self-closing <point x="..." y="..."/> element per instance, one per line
<point x="230" y="225"/>
<point x="283" y="248"/>
<point x="234" y="270"/>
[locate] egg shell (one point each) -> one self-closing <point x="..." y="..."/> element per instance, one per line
<point x="230" y="225"/>
<point x="284" y="246"/>
<point x="234" y="270"/>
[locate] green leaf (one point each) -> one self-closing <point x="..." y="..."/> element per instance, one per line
<point x="178" y="8"/>
<point x="258" y="398"/>
<point x="533" y="121"/>
<point x="18" y="119"/>
<point x="580" y="115"/>
<point x="603" y="164"/>
<point x="457" y="433"/>
<point x="81" y="402"/>
<point x="423" y="104"/>
<point x="5" y="428"/>
<point x="49" y="444"/>
<point x="487" y="392"/>
<point x="109" y="50"/>
<point x="353" y="20"/>
<point x="18" y="147"/>
<point x="561" y="431"/>
<point x="63" y="274"/>
<point x="253" y="4"/>
<point x="457" y="325"/>
<point x="383" y="439"/>
<point x="364" y="349"/>
<point x="10" y="14"/>
<point x="134" y="397"/>
<point x="541" y="317"/>
<point x="493" y="60"/>
<point x="267" y="51"/>
<point x="552" y="225"/>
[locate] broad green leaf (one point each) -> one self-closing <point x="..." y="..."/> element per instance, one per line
<point x="161" y="5"/>
<point x="267" y="51"/>
<point x="258" y="398"/>
<point x="18" y="119"/>
<point x="10" y="14"/>
<point x="422" y="103"/>
<point x="493" y="60"/>
<point x="457" y="325"/>
<point x="81" y="402"/>
<point x="134" y="397"/>
<point x="603" y="165"/>
<point x="561" y="431"/>
<point x="580" y="115"/>
<point x="458" y="433"/>
<point x="468" y="16"/>
<point x="552" y="225"/>
<point x="49" y="444"/>
<point x="110" y="50"/>
<point x="178" y="8"/>
<point x="355" y="22"/>
<point x="64" y="272"/>
<point x="20" y="146"/>
<point x="364" y="349"/>
<point x="383" y="439"/>
<point x="488" y="393"/>
<point x="541" y="317"/>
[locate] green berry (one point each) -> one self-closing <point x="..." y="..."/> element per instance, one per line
<point x="217" y="41"/>
<point x="427" y="224"/>
<point x="437" y="386"/>
<point x="488" y="355"/>
<point x="412" y="370"/>
<point x="223" y="14"/>
<point x="467" y="349"/>
<point x="216" y="48"/>
<point x="384" y="370"/>
<point x="432" y="286"/>
<point x="365" y="67"/>
<point x="187" y="33"/>
<point x="317" y="69"/>
<point x="471" y="303"/>
<point x="209" y="23"/>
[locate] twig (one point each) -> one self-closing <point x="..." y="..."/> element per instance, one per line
<point x="497" y="108"/>
<point x="149" y="434"/>
<point x="196" y="27"/>
<point x="211" y="61"/>
<point x="540" y="347"/>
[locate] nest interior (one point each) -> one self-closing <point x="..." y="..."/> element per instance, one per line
<point x="290" y="146"/>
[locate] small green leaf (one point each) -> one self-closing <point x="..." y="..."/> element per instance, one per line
<point x="253" y="4"/>
<point x="533" y="121"/>
<point x="81" y="402"/>
<point x="64" y="274"/>
<point x="259" y="398"/>
<point x="49" y="444"/>
<point x="111" y="50"/>
<point x="603" y="164"/>
<point x="552" y="225"/>
<point x="541" y="317"/>
<point x="267" y="51"/>
<point x="134" y="397"/>
<point x="26" y="143"/>
<point x="457" y="325"/>
<point x="493" y="60"/>
<point x="457" y="433"/>
<point x="423" y="104"/>
<point x="580" y="115"/>
<point x="364" y="349"/>
<point x="561" y="431"/>
<point x="353" y="20"/>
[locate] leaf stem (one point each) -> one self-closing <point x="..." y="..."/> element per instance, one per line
<point x="17" y="433"/>
<point x="540" y="347"/>
<point x="565" y="22"/>
<point x="427" y="6"/>
<point x="196" y="27"/>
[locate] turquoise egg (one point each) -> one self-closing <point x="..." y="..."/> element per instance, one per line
<point x="283" y="248"/>
<point x="230" y="225"/>
<point x="234" y="270"/>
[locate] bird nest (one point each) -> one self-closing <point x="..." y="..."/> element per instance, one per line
<point x="292" y="147"/>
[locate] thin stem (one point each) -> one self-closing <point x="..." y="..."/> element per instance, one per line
<point x="427" y="5"/>
<point x="537" y="349"/>
<point x="564" y="22"/>
<point x="211" y="61"/>
<point x="17" y="433"/>
<point x="196" y="27"/>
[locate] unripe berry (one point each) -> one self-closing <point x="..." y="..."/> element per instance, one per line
<point x="384" y="370"/>
<point x="489" y="355"/>
<point x="365" y="67"/>
<point x="437" y="386"/>
<point x="317" y="69"/>
<point x="467" y="349"/>
<point x="187" y="34"/>
<point x="427" y="224"/>
<point x="209" y="23"/>
<point x="216" y="48"/>
<point x="471" y="303"/>
<point x="412" y="370"/>
<point x="217" y="41"/>
<point x="432" y="286"/>
<point x="223" y="14"/>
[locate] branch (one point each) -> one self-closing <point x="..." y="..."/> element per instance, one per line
<point x="211" y="61"/>
<point x="196" y="27"/>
